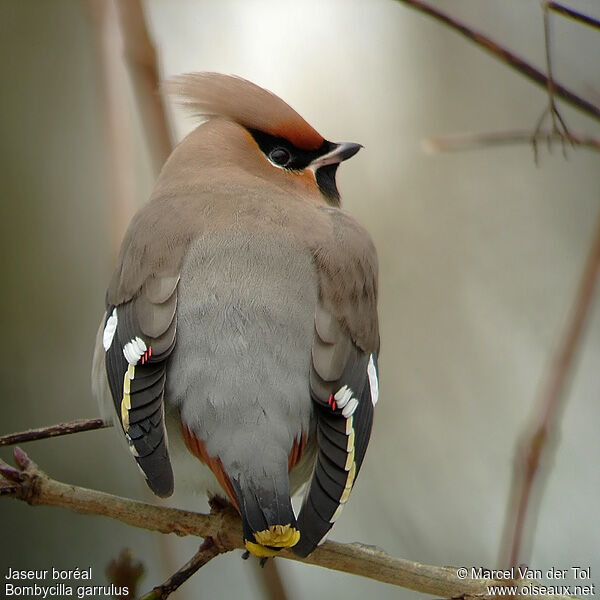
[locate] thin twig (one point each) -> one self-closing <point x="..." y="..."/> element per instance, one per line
<point x="472" y="141"/>
<point x="208" y="550"/>
<point x="506" y="56"/>
<point x="559" y="127"/>
<point x="31" y="485"/>
<point x="41" y="433"/>
<point x="550" y="402"/>
<point x="550" y="80"/>
<point x="141" y="59"/>
<point x="573" y="14"/>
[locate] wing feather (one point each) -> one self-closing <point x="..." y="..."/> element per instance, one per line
<point x="344" y="363"/>
<point x="143" y="338"/>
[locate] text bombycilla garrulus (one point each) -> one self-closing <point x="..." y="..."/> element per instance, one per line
<point x="242" y="320"/>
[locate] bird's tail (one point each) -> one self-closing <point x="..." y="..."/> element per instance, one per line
<point x="268" y="519"/>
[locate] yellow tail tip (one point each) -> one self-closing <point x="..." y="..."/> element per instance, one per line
<point x="258" y="550"/>
<point x="276" y="536"/>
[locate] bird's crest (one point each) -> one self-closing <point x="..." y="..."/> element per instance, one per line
<point x="234" y="98"/>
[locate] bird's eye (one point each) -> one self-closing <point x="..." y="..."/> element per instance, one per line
<point x="280" y="156"/>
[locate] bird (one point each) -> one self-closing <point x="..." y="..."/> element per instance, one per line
<point x="238" y="349"/>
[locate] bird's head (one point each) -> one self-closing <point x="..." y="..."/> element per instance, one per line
<point x="251" y="129"/>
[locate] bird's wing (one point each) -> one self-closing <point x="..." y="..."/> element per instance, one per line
<point x="343" y="377"/>
<point x="138" y="337"/>
<point x="140" y="330"/>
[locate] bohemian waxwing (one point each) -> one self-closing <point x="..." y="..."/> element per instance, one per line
<point x="242" y="320"/>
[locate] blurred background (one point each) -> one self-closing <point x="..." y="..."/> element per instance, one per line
<point x="480" y="254"/>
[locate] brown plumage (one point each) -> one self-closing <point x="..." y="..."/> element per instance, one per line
<point x="198" y="449"/>
<point x="239" y="100"/>
<point x="243" y="313"/>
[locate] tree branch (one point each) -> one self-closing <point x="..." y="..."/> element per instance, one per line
<point x="30" y="484"/>
<point x="117" y="126"/>
<point x="506" y="56"/>
<point x="142" y="63"/>
<point x="573" y="14"/>
<point x="535" y="441"/>
<point x="472" y="141"/>
<point x="208" y="550"/>
<point x="42" y="433"/>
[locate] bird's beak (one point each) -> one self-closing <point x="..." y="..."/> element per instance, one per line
<point x="340" y="152"/>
